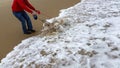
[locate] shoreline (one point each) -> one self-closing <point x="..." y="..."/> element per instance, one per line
<point x="11" y="33"/>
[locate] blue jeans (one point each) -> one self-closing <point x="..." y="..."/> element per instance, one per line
<point x="24" y="19"/>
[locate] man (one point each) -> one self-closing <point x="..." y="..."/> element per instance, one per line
<point x="18" y="8"/>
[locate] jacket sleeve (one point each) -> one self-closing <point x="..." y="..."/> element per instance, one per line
<point x="29" y="5"/>
<point x="24" y="6"/>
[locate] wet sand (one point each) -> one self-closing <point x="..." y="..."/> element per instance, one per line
<point x="10" y="28"/>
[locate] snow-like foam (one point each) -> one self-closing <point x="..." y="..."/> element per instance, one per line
<point x="91" y="39"/>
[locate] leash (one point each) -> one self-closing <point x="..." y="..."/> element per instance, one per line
<point x="36" y="18"/>
<point x="42" y="20"/>
<point x="46" y="15"/>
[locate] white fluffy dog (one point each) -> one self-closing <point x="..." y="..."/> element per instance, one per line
<point x="52" y="26"/>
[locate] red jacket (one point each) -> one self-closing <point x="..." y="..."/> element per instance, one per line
<point x="20" y="5"/>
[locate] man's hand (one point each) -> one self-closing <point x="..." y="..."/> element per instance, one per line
<point x="37" y="11"/>
<point x="34" y="13"/>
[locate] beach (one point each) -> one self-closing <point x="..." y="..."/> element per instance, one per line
<point x="10" y="28"/>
